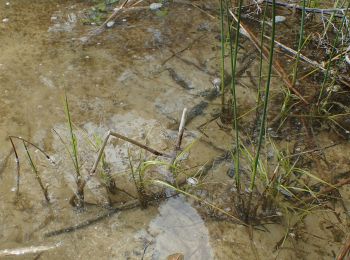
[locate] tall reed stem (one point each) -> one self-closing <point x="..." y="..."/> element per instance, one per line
<point x="265" y="108"/>
<point x="233" y="59"/>
<point x="261" y="59"/>
<point x="222" y="35"/>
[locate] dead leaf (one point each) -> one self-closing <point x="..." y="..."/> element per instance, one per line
<point x="176" y="256"/>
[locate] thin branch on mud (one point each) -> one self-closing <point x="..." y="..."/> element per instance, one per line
<point x="125" y="206"/>
<point x="312" y="150"/>
<point x="128" y="205"/>
<point x="338" y="12"/>
<point x="313" y="63"/>
<point x="325" y="191"/>
<point x="111" y="133"/>
<point x="295" y="53"/>
<point x="34" y="145"/>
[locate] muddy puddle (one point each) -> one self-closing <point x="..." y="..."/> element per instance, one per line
<point x="134" y="78"/>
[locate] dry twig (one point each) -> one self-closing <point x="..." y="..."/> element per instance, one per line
<point x="338" y="12"/>
<point x="344" y="251"/>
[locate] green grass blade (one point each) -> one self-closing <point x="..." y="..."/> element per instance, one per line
<point x="234" y="46"/>
<point x="266" y="101"/>
<point x="74" y="141"/>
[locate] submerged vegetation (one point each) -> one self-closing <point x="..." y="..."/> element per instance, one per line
<point x="301" y="88"/>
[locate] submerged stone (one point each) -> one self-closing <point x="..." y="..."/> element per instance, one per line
<point x="110" y="24"/>
<point x="155" y="6"/>
<point x="231" y="171"/>
<point x="192" y="181"/>
<point x="280" y="19"/>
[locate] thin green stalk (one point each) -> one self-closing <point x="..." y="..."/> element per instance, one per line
<point x="35" y="170"/>
<point x="222" y="35"/>
<point x="325" y="79"/>
<point x="138" y="184"/>
<point x="261" y="59"/>
<point x="233" y="59"/>
<point x="267" y="92"/>
<point x="261" y="56"/>
<point x="73" y="139"/>
<point x="301" y="38"/>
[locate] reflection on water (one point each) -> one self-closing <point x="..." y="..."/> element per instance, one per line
<point x="180" y="229"/>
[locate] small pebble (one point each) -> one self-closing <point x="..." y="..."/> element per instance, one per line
<point x="110" y="24"/>
<point x="347" y="59"/>
<point x="217" y="83"/>
<point x="231" y="172"/>
<point x="280" y="19"/>
<point x="270" y="154"/>
<point x="155" y="6"/>
<point x="5" y="20"/>
<point x="192" y="181"/>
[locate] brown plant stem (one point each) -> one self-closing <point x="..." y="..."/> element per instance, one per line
<point x="344" y="251"/>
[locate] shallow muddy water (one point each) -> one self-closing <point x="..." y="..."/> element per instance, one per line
<point x="134" y="78"/>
